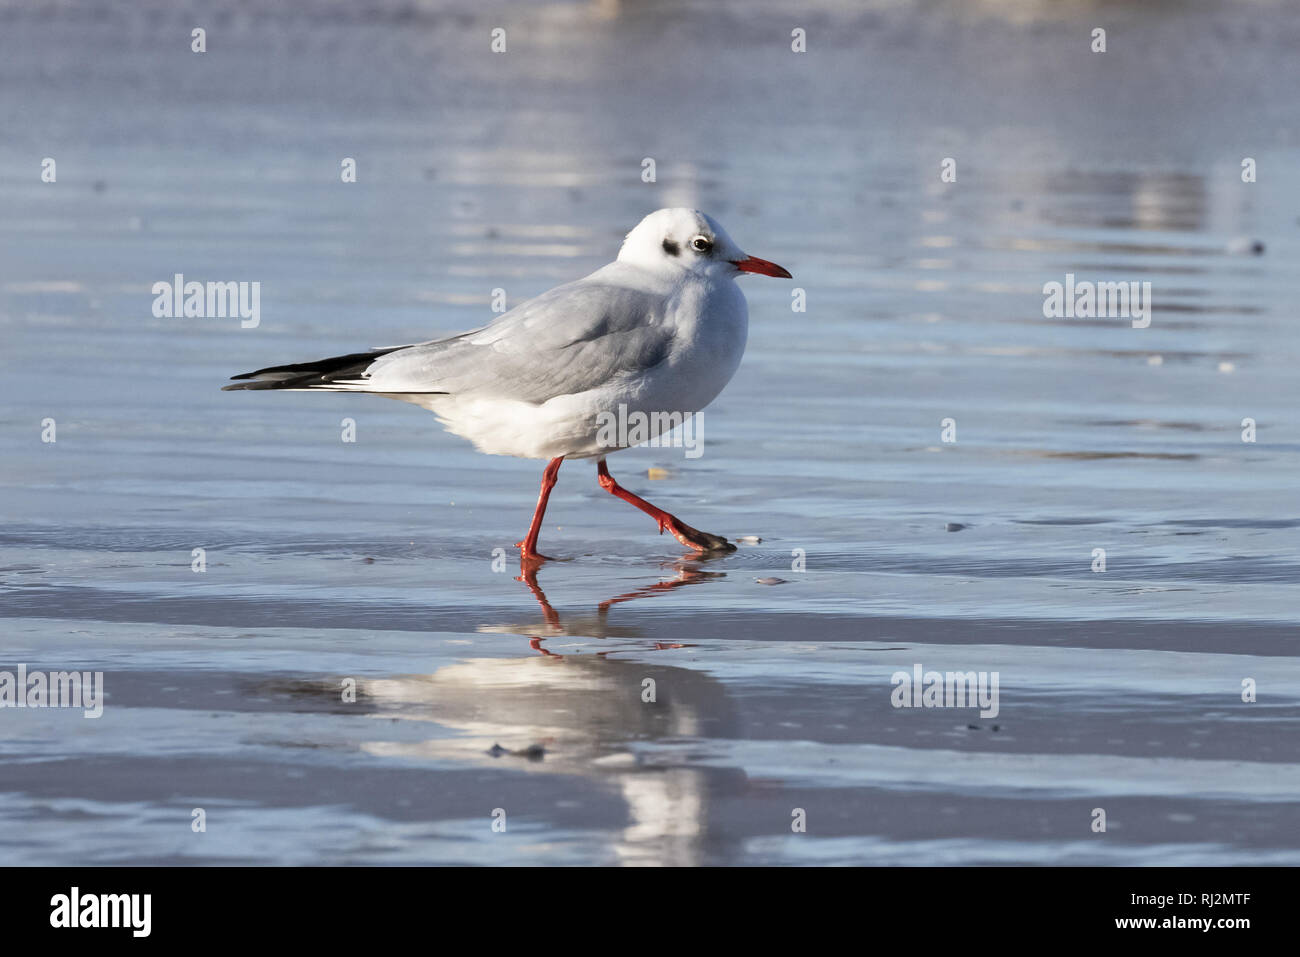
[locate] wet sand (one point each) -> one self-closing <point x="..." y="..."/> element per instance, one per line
<point x="377" y="561"/>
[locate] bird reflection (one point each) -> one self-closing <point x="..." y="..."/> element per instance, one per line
<point x="618" y="722"/>
<point x="688" y="572"/>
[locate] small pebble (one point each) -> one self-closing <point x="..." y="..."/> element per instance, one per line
<point x="657" y="474"/>
<point x="1245" y="246"/>
<point x="534" y="752"/>
<point x="1155" y="360"/>
<point x="770" y="581"/>
<point x="748" y="540"/>
<point x="1227" y="367"/>
<point x="954" y="527"/>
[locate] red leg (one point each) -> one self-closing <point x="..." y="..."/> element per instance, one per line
<point x="529" y="578"/>
<point x="528" y="547"/>
<point x="690" y="537"/>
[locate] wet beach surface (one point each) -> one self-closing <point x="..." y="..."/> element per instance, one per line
<point x="388" y="561"/>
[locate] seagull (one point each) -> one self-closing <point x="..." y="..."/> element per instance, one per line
<point x="660" y="331"/>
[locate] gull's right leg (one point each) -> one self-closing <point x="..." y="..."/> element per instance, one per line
<point x="690" y="537"/>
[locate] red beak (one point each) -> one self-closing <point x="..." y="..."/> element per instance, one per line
<point x="762" y="267"/>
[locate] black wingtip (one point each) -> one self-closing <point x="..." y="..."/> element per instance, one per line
<point x="262" y="384"/>
<point x="300" y="374"/>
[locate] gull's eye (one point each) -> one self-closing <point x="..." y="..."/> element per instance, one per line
<point x="700" y="244"/>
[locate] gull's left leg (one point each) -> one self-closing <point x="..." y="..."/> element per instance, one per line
<point x="528" y="547"/>
<point x="690" y="537"/>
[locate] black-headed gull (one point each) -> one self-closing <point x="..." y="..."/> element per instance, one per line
<point x="655" y="334"/>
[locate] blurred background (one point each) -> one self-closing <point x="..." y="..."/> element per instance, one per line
<point x="519" y="170"/>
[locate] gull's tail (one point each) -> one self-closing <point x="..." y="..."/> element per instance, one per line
<point x="337" y="373"/>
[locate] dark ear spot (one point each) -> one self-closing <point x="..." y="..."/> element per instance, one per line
<point x="671" y="248"/>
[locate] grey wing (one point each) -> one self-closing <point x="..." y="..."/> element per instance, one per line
<point x="566" y="341"/>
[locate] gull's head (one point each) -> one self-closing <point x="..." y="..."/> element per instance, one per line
<point x="677" y="239"/>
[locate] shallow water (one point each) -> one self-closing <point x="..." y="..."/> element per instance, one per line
<point x="374" y="560"/>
